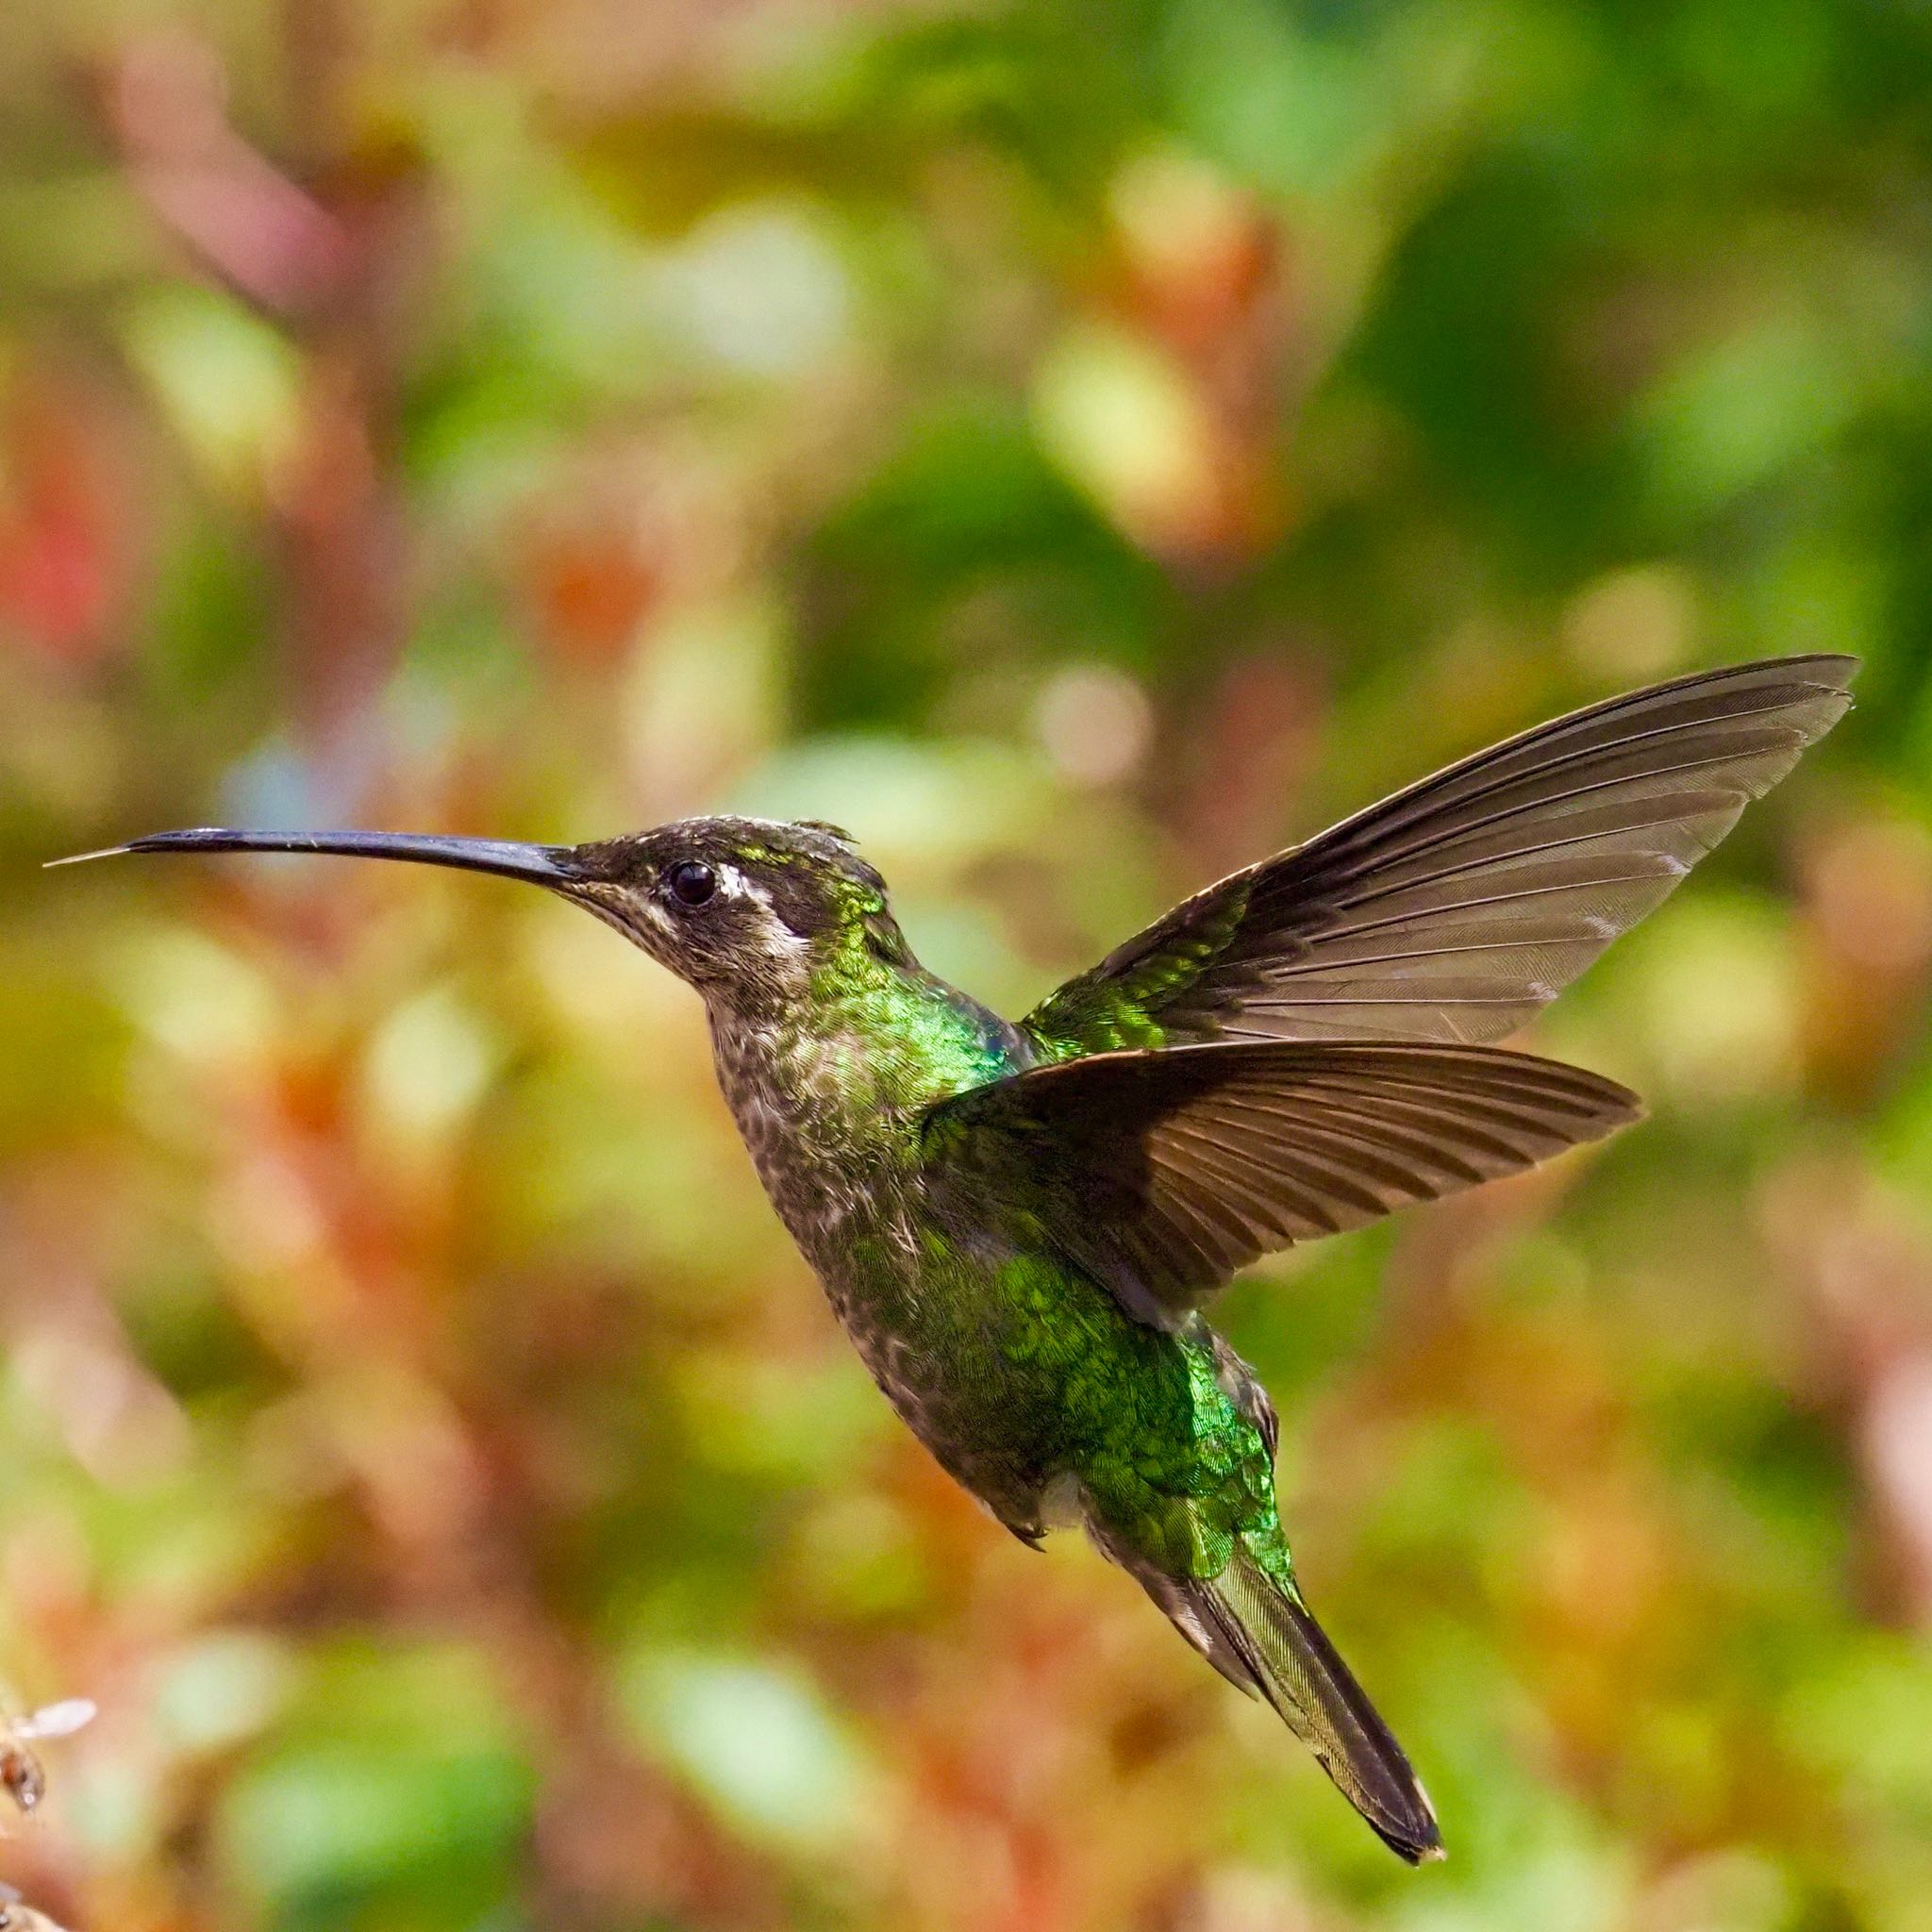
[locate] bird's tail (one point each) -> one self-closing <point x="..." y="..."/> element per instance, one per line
<point x="1257" y="1632"/>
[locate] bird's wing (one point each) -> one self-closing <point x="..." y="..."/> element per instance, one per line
<point x="1456" y="909"/>
<point x="1161" y="1173"/>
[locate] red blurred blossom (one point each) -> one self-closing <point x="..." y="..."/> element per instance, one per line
<point x="590" y="585"/>
<point x="63" y="555"/>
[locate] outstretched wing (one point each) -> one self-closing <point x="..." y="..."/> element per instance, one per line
<point x="1161" y="1173"/>
<point x="1456" y="909"/>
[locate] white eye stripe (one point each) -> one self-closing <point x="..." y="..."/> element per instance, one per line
<point x="777" y="933"/>
<point x="683" y="926"/>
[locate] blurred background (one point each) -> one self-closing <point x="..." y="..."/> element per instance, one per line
<point x="1080" y="446"/>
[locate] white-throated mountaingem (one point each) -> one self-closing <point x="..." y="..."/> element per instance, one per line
<point x="1020" y="1223"/>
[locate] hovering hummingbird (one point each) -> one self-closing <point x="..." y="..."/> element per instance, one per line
<point x="1020" y="1225"/>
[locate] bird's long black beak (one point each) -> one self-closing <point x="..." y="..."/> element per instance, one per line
<point x="555" y="866"/>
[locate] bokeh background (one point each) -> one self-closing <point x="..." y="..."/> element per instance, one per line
<point x="1080" y="446"/>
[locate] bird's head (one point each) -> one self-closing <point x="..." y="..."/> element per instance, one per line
<point x="740" y="908"/>
<point x="747" y="910"/>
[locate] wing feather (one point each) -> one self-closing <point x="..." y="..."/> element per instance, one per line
<point x="1454" y="909"/>
<point x="1163" y="1173"/>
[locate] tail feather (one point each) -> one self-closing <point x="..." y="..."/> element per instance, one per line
<point x="1256" y="1624"/>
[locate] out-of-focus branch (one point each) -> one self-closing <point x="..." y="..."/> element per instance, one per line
<point x="241" y="218"/>
<point x="330" y="258"/>
<point x="1859" y="1257"/>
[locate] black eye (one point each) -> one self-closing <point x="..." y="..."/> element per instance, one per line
<point x="692" y="883"/>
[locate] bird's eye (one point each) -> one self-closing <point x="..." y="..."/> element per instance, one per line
<point x="692" y="883"/>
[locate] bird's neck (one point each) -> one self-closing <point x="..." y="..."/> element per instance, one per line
<point x="838" y="1078"/>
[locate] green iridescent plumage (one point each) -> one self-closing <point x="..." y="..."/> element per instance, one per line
<point x="1020" y="1225"/>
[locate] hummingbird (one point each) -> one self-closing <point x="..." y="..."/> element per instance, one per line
<point x="1022" y="1225"/>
